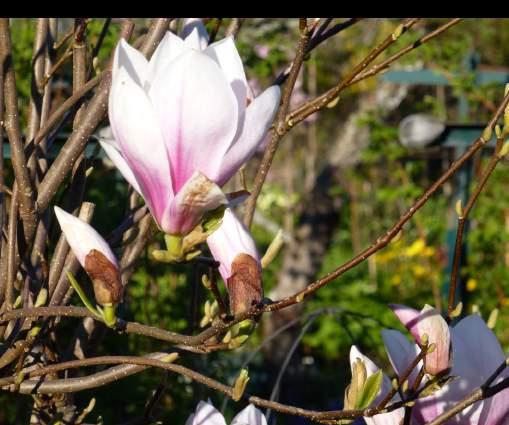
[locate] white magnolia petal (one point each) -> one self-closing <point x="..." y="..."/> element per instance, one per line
<point x="258" y="118"/>
<point x="131" y="60"/>
<point x="229" y="240"/>
<point x="206" y="414"/>
<point x="249" y="416"/>
<point x="170" y="47"/>
<point x="82" y="237"/>
<point x="197" y="112"/>
<point x="137" y="132"/>
<point x="195" y="34"/>
<point x="116" y="157"/>
<point x="226" y="55"/>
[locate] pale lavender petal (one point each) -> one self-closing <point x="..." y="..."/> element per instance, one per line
<point x="82" y="238"/>
<point x="258" y="118"/>
<point x="169" y="48"/>
<point x="229" y="240"/>
<point x="141" y="143"/>
<point x="249" y="416"/>
<point x="476" y="350"/>
<point x="116" y="157"/>
<point x="195" y="34"/>
<point x="196" y="197"/>
<point x="401" y="352"/>
<point x="197" y="112"/>
<point x="226" y="55"/>
<point x="206" y="414"/>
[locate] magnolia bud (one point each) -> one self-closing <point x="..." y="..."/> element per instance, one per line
<point x="245" y="283"/>
<point x="105" y="278"/>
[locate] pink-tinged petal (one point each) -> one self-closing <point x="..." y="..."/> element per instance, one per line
<point x="229" y="240"/>
<point x="116" y="157"/>
<point x="196" y="197"/>
<point x="195" y="34"/>
<point x="408" y="317"/>
<point x="391" y="418"/>
<point x="137" y="132"/>
<point x="226" y="55"/>
<point x="432" y="323"/>
<point x="250" y="416"/>
<point x="258" y="118"/>
<point x="82" y="238"/>
<point x="401" y="352"/>
<point x="131" y="60"/>
<point x="169" y="48"/>
<point x="206" y="414"/>
<point x="197" y="112"/>
<point x="496" y="409"/>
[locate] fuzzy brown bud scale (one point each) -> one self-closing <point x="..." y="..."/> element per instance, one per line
<point x="105" y="278"/>
<point x="245" y="283"/>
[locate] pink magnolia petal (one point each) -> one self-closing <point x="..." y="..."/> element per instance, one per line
<point x="229" y="240"/>
<point x="408" y="317"/>
<point x="227" y="57"/>
<point x="197" y="112"/>
<point x="82" y="238"/>
<point x="496" y="409"/>
<point x="206" y="414"/>
<point x="249" y="416"/>
<point x="195" y="34"/>
<point x="258" y="118"/>
<point x="142" y="146"/>
<point x="196" y="197"/>
<point x="170" y="47"/>
<point x="432" y="323"/>
<point x="116" y="157"/>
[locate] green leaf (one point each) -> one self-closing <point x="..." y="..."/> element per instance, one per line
<point x="82" y="295"/>
<point x="370" y="390"/>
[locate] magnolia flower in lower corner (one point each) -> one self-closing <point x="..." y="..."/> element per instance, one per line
<point x="94" y="255"/>
<point x="207" y="414"/>
<point x="239" y="262"/>
<point x="475" y="355"/>
<point x="181" y="124"/>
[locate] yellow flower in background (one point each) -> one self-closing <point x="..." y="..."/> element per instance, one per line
<point x="396" y="279"/>
<point x="419" y="271"/>
<point x="416" y="248"/>
<point x="471" y="284"/>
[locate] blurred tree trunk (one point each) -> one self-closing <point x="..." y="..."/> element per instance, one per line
<point x="319" y="219"/>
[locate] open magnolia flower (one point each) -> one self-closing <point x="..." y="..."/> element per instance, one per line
<point x="94" y="255"/>
<point x="181" y="124"/>
<point x="207" y="414"/>
<point x="475" y="355"/>
<point x="239" y="262"/>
